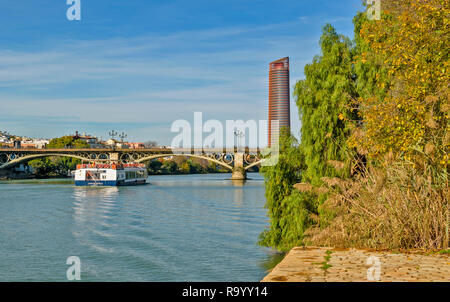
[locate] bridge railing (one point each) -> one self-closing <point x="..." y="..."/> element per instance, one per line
<point x="155" y="150"/>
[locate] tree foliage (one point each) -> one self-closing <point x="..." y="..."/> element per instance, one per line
<point x="58" y="166"/>
<point x="410" y="45"/>
<point x="67" y="142"/>
<point x="182" y="165"/>
<point x="379" y="100"/>
<point x="288" y="210"/>
<point x="42" y="167"/>
<point x="323" y="99"/>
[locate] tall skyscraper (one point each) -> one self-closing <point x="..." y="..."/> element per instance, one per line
<point x="279" y="109"/>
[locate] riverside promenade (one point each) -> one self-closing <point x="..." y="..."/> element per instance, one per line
<point x="320" y="264"/>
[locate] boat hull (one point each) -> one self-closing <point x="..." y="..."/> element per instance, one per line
<point x="110" y="175"/>
<point x="110" y="183"/>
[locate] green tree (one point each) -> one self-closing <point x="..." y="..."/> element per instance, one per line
<point x="58" y="165"/>
<point x="64" y="164"/>
<point x="288" y="209"/>
<point x="410" y="43"/>
<point x="324" y="102"/>
<point x="43" y="167"/>
<point x="170" y="167"/>
<point x="190" y="167"/>
<point x="155" y="167"/>
<point x="184" y="168"/>
<point x="368" y="67"/>
<point x="324" y="99"/>
<point x="382" y="100"/>
<point x="195" y="167"/>
<point x="67" y="142"/>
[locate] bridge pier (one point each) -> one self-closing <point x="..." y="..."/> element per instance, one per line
<point x="239" y="172"/>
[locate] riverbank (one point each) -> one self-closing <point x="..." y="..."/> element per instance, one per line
<point x="10" y="175"/>
<point x="320" y="264"/>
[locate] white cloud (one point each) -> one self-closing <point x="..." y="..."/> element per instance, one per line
<point x="157" y="79"/>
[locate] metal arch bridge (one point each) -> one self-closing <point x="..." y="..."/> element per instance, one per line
<point x="237" y="161"/>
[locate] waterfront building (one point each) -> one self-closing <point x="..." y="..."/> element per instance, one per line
<point x="279" y="107"/>
<point x="92" y="141"/>
<point x="41" y="143"/>
<point x="112" y="143"/>
<point x="135" y="145"/>
<point x="12" y="141"/>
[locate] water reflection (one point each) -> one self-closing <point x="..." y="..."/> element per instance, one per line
<point x="93" y="212"/>
<point x="272" y="260"/>
<point x="88" y="201"/>
<point x="238" y="182"/>
<point x="82" y="193"/>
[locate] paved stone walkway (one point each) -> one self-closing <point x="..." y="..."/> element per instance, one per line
<point x="343" y="265"/>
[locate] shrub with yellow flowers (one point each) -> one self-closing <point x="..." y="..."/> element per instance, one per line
<point x="410" y="46"/>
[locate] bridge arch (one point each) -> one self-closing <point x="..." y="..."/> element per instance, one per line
<point x="27" y="158"/>
<point x="253" y="164"/>
<point x="147" y="158"/>
<point x="86" y="157"/>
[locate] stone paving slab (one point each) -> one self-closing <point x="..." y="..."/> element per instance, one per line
<point x="359" y="265"/>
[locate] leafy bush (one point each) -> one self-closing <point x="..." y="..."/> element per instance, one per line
<point x="288" y="209"/>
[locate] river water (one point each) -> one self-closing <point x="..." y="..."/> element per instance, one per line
<point x="177" y="228"/>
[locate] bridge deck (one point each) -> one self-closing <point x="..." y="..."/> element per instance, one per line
<point x="153" y="150"/>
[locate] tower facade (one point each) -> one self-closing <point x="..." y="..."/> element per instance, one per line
<point x="279" y="108"/>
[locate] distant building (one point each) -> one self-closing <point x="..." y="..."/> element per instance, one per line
<point x="122" y="146"/>
<point x="32" y="143"/>
<point x="12" y="141"/>
<point x="27" y="145"/>
<point x="41" y="143"/>
<point x="17" y="144"/>
<point x="23" y="168"/>
<point x="135" y="145"/>
<point x="279" y="98"/>
<point x="92" y="141"/>
<point x="112" y="143"/>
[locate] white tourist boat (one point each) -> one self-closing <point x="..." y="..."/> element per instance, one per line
<point x="110" y="174"/>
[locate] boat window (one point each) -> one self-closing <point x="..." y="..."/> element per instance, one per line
<point x="92" y="175"/>
<point x="130" y="174"/>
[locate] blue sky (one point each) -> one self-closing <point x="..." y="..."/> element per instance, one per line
<point x="138" y="65"/>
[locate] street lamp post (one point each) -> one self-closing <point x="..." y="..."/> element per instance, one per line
<point x="239" y="134"/>
<point x="113" y="134"/>
<point x="122" y="136"/>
